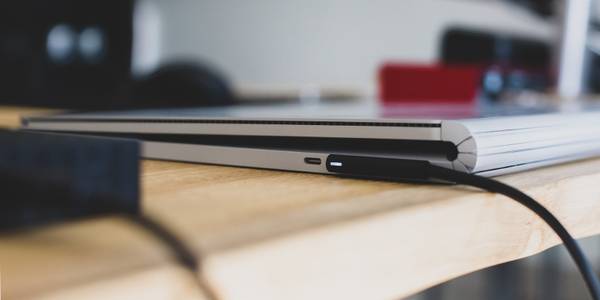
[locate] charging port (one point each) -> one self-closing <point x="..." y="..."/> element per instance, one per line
<point x="312" y="160"/>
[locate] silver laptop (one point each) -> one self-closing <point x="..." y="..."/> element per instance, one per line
<point x="300" y="137"/>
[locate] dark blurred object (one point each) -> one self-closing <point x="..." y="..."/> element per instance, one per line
<point x="544" y="8"/>
<point x="593" y="78"/>
<point x="465" y="46"/>
<point x="428" y="84"/>
<point x="509" y="63"/>
<point x="65" y="53"/>
<point x="182" y="84"/>
<point x="48" y="177"/>
<point x="77" y="54"/>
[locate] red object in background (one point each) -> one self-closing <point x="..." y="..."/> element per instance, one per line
<point x="426" y="84"/>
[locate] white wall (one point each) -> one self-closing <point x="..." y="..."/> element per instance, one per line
<point x="324" y="43"/>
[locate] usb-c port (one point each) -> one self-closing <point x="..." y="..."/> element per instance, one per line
<point x="312" y="160"/>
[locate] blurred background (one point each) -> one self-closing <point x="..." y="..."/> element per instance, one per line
<point x="115" y="54"/>
<point x="303" y="46"/>
<point x="125" y="53"/>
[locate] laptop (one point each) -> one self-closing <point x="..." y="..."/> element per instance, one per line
<point x="298" y="137"/>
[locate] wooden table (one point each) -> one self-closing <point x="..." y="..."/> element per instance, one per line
<point x="281" y="235"/>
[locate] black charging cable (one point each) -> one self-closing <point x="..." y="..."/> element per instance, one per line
<point x="490" y="185"/>
<point x="184" y="255"/>
<point x="413" y="170"/>
<point x="418" y="170"/>
<point x="392" y="169"/>
<point x="182" y="252"/>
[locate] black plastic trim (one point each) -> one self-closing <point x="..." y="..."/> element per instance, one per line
<point x="236" y="121"/>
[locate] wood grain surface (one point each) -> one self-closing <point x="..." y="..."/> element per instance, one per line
<point x="10" y="115"/>
<point x="280" y="235"/>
